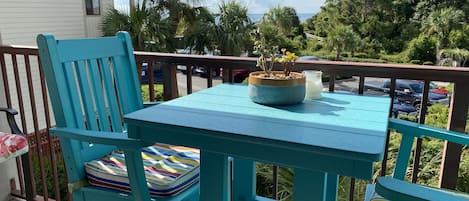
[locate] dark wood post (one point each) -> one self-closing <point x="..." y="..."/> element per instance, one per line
<point x="456" y="122"/>
<point x="170" y="83"/>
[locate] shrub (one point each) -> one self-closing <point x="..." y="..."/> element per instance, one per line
<point x="416" y="61"/>
<point x="422" y="48"/>
<point x="361" y="55"/>
<point x="158" y="88"/>
<point x="393" y="58"/>
<point x="354" y="59"/>
<point x="62" y="177"/>
<point x="428" y="63"/>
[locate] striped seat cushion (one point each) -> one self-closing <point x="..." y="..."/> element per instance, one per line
<point x="168" y="170"/>
<point x="12" y="145"/>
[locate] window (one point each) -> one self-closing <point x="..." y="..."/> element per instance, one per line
<point x="92" y="7"/>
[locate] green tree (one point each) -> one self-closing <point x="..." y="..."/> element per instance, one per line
<point x="286" y="19"/>
<point x="152" y="24"/>
<point x="176" y="13"/>
<point x="454" y="57"/>
<point x="422" y="48"/>
<point x="460" y="38"/>
<point x="342" y="38"/>
<point x="199" y="34"/>
<point x="440" y="23"/>
<point x="144" y="25"/>
<point x="281" y="27"/>
<point x="232" y="29"/>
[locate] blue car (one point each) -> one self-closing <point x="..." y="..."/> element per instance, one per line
<point x="157" y="74"/>
<point x="402" y="108"/>
<point x="314" y="58"/>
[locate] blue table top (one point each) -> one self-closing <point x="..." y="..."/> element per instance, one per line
<point x="351" y="124"/>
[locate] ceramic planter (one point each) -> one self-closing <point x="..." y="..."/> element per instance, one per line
<point x="274" y="91"/>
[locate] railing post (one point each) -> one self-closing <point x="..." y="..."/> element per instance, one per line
<point x="456" y="122"/>
<point x="170" y="83"/>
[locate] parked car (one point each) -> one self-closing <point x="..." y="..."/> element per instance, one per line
<point x="157" y="74"/>
<point x="437" y="89"/>
<point x="402" y="108"/>
<point x="410" y="92"/>
<point x="238" y="74"/>
<point x="195" y="69"/>
<point x="311" y="57"/>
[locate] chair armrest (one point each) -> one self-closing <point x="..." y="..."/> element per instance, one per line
<point x="149" y="104"/>
<point x="419" y="130"/>
<point x="395" y="189"/>
<point x="120" y="140"/>
<point x="11" y="120"/>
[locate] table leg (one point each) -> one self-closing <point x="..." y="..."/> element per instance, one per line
<point x="332" y="186"/>
<point x="214" y="177"/>
<point x="133" y="159"/>
<point x="314" y="186"/>
<point x="244" y="179"/>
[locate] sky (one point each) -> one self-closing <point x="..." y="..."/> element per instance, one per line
<point x="256" y="6"/>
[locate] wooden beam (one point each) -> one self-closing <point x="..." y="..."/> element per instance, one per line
<point x="457" y="122"/>
<point x="170" y="82"/>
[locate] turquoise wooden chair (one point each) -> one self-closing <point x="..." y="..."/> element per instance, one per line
<point x="395" y="188"/>
<point x="92" y="83"/>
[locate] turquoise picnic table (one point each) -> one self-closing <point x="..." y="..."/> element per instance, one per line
<point x="339" y="134"/>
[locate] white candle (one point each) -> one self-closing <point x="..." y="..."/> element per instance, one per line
<point x="313" y="84"/>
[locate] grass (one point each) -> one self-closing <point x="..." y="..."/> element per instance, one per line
<point x="158" y="89"/>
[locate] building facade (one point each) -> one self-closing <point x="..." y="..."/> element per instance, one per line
<point x="20" y="22"/>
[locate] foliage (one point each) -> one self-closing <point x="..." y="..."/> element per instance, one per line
<point x="158" y="89"/>
<point x="282" y="27"/>
<point x="422" y="48"/>
<point x="264" y="181"/>
<point x="428" y="63"/>
<point x="389" y="26"/>
<point x="199" y="34"/>
<point x="287" y="60"/>
<point x="342" y="38"/>
<point x="152" y="24"/>
<point x="62" y="177"/>
<point x="143" y="24"/>
<point x="394" y="58"/>
<point x="441" y="22"/>
<point x="454" y="57"/>
<point x="459" y="38"/>
<point x="232" y="29"/>
<point x="286" y="19"/>
<point x="268" y="55"/>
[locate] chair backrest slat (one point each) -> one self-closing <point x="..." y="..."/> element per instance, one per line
<point x="85" y="88"/>
<point x="92" y="83"/>
<point x="72" y="88"/>
<point x="111" y="95"/>
<point x="97" y="84"/>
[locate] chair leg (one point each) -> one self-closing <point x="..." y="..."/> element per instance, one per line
<point x="27" y="177"/>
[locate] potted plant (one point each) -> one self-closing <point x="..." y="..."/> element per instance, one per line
<point x="275" y="87"/>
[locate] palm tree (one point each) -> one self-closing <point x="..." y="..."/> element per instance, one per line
<point x="342" y="38"/>
<point x="441" y="22"/>
<point x="177" y="13"/>
<point x="454" y="57"/>
<point x="286" y="19"/>
<point x="144" y="24"/>
<point x="199" y="35"/>
<point x="233" y="26"/>
<point x="152" y="24"/>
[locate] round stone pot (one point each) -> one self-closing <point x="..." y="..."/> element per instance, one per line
<point x="275" y="90"/>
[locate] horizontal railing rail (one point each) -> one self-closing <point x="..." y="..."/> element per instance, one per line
<point x="27" y="92"/>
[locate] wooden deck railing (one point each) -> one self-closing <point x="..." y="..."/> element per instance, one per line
<point x="25" y="90"/>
